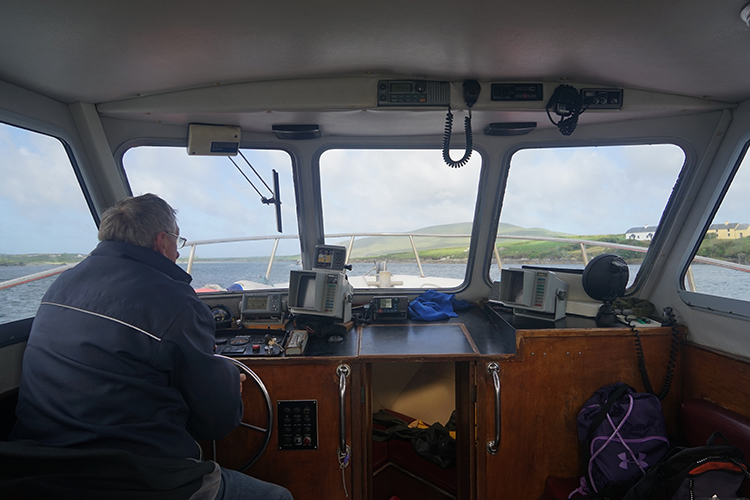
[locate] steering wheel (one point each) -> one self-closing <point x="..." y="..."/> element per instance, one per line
<point x="269" y="413"/>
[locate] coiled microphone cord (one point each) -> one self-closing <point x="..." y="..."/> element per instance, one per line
<point x="447" y="141"/>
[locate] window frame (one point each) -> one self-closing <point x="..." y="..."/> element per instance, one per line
<point x="668" y="215"/>
<point x="52" y="132"/>
<point x="126" y="146"/>
<point x="410" y="146"/>
<point x="716" y="304"/>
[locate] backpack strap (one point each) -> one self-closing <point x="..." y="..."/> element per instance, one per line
<point x="716" y="435"/>
<point x="603" y="413"/>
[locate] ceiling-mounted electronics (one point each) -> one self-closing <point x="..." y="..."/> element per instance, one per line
<point x="566" y="103"/>
<point x="213" y="140"/>
<point x="517" y="92"/>
<point x="602" y="98"/>
<point x="413" y="93"/>
<point x="296" y="132"/>
<point x="510" y="128"/>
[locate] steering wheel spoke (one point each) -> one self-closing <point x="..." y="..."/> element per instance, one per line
<point x="253" y="427"/>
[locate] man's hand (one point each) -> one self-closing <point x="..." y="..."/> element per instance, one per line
<point x="243" y="377"/>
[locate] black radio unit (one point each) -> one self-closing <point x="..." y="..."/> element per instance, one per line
<point x="389" y="308"/>
<point x="413" y="93"/>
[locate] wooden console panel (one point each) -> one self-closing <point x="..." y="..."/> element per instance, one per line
<point x="307" y="473"/>
<point x="543" y="388"/>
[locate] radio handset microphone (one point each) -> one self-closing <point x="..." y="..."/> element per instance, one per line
<point x="471" y="94"/>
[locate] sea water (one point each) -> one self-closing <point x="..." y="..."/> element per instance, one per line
<point x="22" y="301"/>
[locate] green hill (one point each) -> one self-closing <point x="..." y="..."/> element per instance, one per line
<point x="399" y="247"/>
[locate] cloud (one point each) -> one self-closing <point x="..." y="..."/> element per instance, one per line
<point x="395" y="191"/>
<point x="573" y="190"/>
<point x="212" y="197"/>
<point x="590" y="190"/>
<point x="42" y="208"/>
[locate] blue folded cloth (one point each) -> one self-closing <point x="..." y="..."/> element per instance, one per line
<point x="432" y="306"/>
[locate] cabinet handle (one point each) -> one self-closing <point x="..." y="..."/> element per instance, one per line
<point x="493" y="446"/>
<point x="344" y="452"/>
<point x="343" y="371"/>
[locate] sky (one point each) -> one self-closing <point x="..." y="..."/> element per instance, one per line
<point x="575" y="190"/>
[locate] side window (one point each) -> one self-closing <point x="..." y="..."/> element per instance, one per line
<point x="45" y="223"/>
<point x="721" y="267"/>
<point x="564" y="206"/>
<point x="232" y="235"/>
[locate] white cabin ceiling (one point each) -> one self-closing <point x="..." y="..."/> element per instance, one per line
<point x="100" y="51"/>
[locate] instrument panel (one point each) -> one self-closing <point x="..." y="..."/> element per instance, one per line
<point x="250" y="343"/>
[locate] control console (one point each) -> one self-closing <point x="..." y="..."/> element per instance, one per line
<point x="249" y="343"/>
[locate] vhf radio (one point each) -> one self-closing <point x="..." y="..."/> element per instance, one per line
<point x="389" y="308"/>
<point x="413" y="93"/>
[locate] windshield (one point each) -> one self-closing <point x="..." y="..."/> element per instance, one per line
<point x="405" y="214"/>
<point x="564" y="206"/>
<point x="230" y="231"/>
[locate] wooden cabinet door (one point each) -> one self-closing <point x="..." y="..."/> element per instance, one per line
<point x="542" y="389"/>
<point x="307" y="473"/>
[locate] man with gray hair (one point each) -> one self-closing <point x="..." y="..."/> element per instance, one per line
<point x="120" y="357"/>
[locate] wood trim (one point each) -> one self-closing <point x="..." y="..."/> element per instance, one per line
<point x="367" y="472"/>
<point x="465" y="437"/>
<point x="469" y="338"/>
<point x="716" y="376"/>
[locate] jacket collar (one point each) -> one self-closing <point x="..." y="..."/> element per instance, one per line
<point x="147" y="256"/>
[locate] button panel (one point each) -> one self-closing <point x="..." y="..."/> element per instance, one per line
<point x="298" y="424"/>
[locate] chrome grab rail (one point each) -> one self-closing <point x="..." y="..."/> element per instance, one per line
<point x="344" y="452"/>
<point x="493" y="446"/>
<point x="343" y="371"/>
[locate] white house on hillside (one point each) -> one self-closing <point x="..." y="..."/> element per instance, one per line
<point x="643" y="233"/>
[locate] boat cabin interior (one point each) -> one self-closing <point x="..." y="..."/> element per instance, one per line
<point x="472" y="215"/>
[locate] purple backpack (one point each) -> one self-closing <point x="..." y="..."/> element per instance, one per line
<point x="624" y="435"/>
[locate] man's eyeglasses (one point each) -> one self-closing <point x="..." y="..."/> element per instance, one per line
<point x="180" y="240"/>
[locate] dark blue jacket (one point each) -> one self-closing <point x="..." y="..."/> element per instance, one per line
<point x="120" y="356"/>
